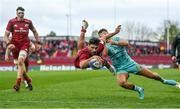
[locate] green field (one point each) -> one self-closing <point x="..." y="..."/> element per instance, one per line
<point x="87" y="89"/>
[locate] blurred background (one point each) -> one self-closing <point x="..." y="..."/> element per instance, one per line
<point x="150" y="27"/>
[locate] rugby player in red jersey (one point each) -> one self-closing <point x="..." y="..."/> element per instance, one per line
<point x="20" y="43"/>
<point x="93" y="50"/>
<point x="32" y="49"/>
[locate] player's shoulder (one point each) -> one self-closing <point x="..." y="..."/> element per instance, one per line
<point x="27" y="20"/>
<point x="13" y="20"/>
<point x="84" y="51"/>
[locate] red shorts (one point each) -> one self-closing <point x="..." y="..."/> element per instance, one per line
<point x="19" y="47"/>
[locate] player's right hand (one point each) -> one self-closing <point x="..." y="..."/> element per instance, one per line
<point x="38" y="47"/>
<point x="7" y="58"/>
<point x="85" y="24"/>
<point x="118" y="28"/>
<point x="11" y="46"/>
<point x="98" y="58"/>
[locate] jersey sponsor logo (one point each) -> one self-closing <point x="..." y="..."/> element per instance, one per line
<point x="15" y="25"/>
<point x="21" y="30"/>
<point x="26" y="25"/>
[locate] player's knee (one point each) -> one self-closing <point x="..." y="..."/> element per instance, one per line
<point x="20" y="61"/>
<point x="122" y="83"/>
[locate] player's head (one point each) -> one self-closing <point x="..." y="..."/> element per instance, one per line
<point x="93" y="45"/>
<point x="20" y="12"/>
<point x="102" y="32"/>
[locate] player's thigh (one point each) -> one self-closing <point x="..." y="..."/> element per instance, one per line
<point x="22" y="56"/>
<point x="24" y="51"/>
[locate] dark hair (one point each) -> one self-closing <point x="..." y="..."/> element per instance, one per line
<point x="94" y="41"/>
<point x="20" y="8"/>
<point x="101" y="30"/>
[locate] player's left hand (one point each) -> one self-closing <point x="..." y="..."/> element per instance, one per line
<point x="11" y="46"/>
<point x="7" y="58"/>
<point x="173" y="58"/>
<point x="38" y="46"/>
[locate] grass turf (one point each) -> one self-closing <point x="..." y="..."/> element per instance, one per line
<point x="87" y="89"/>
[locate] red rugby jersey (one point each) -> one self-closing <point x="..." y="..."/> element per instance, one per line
<point x="19" y="29"/>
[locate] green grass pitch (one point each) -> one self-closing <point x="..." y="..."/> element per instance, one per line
<point x="87" y="89"/>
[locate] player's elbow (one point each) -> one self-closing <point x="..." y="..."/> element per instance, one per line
<point x="123" y="43"/>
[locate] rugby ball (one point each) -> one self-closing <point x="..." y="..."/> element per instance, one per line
<point x="95" y="64"/>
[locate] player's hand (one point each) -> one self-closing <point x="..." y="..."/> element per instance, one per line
<point x="11" y="46"/>
<point x="118" y="28"/>
<point x="38" y="46"/>
<point x="98" y="58"/>
<point x="173" y="58"/>
<point x="7" y="58"/>
<point x="85" y="24"/>
<point x="32" y="47"/>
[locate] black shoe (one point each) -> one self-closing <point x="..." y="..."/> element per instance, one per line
<point x="30" y="87"/>
<point x="16" y="88"/>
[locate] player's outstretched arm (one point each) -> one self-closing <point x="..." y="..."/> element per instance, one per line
<point x="119" y="43"/>
<point x="117" y="30"/>
<point x="82" y="35"/>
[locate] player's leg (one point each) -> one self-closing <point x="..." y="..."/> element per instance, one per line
<point x="21" y="59"/>
<point x="26" y="77"/>
<point x="24" y="69"/>
<point x="81" y="40"/>
<point x="122" y="81"/>
<point x="15" y="53"/>
<point x="149" y="74"/>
